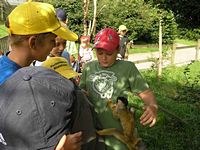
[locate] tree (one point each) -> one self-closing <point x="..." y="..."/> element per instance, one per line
<point x="89" y="30"/>
<point x="141" y="18"/>
<point x="186" y="11"/>
<point x="74" y="12"/>
<point x="85" y="15"/>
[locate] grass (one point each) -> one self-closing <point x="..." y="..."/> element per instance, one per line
<point x="186" y="42"/>
<point x="171" y="133"/>
<point x="3" y="31"/>
<point x="142" y="50"/>
<point x="146" y="48"/>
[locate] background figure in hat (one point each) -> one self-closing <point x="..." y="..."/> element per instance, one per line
<point x="123" y="46"/>
<point x="33" y="27"/>
<point x="108" y="78"/>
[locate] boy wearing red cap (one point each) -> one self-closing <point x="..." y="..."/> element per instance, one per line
<point x="108" y="78"/>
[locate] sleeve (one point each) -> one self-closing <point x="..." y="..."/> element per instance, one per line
<point x="136" y="81"/>
<point x="81" y="51"/>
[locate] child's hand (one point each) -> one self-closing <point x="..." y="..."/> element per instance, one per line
<point x="149" y="116"/>
<point x="70" y="142"/>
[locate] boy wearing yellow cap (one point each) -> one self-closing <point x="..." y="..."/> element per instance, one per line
<point x="33" y="27"/>
<point x="108" y="78"/>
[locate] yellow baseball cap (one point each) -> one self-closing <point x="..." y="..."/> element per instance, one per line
<point x="35" y="18"/>
<point x="61" y="66"/>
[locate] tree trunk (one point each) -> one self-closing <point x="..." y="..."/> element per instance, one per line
<point x="94" y="18"/>
<point x="85" y="14"/>
<point x="173" y="53"/>
<point x="160" y="50"/>
<point x="197" y="50"/>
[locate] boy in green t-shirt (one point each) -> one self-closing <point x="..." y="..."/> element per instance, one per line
<point x="108" y="78"/>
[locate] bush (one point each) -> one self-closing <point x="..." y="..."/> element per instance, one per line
<point x="179" y="130"/>
<point x="190" y="34"/>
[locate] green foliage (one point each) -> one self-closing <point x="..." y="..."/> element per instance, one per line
<point x="74" y="12"/>
<point x="190" y="34"/>
<point x="142" y="50"/>
<point x="3" y="31"/>
<point x="169" y="27"/>
<point x="191" y="90"/>
<point x="186" y="42"/>
<point x="186" y="11"/>
<point x="169" y="133"/>
<point x="142" y="19"/>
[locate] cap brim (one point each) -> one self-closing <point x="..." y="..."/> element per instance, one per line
<point x="69" y="74"/>
<point x="122" y="28"/>
<point x="104" y="46"/>
<point x="66" y="34"/>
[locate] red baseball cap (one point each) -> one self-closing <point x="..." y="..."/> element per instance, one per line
<point x="107" y="39"/>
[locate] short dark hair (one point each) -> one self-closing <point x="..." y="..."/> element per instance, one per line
<point x="61" y="14"/>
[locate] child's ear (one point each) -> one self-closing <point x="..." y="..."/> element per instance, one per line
<point x="32" y="42"/>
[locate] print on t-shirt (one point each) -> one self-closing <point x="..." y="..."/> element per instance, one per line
<point x="103" y="82"/>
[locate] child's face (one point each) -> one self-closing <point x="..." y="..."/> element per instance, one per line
<point x="122" y="32"/>
<point x="105" y="58"/>
<point x="84" y="43"/>
<point x="59" y="48"/>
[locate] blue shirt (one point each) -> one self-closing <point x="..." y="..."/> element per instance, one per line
<point x="7" y="68"/>
<point x="66" y="55"/>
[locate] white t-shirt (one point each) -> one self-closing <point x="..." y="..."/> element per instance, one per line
<point x="86" y="54"/>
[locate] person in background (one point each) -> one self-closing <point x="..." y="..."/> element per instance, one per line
<point x="85" y="51"/>
<point x="70" y="48"/>
<point x="123" y="46"/>
<point x="108" y="78"/>
<point x="33" y="40"/>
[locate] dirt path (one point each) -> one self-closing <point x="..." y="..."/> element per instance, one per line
<point x="182" y="56"/>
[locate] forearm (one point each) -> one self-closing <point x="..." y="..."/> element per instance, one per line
<point x="149" y="115"/>
<point x="148" y="98"/>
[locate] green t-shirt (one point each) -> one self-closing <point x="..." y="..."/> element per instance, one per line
<point x="109" y="83"/>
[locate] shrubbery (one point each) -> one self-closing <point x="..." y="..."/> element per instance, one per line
<point x="142" y="19"/>
<point x="190" y="34"/>
<point x="178" y="93"/>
